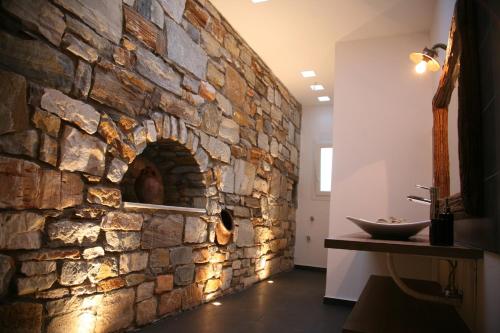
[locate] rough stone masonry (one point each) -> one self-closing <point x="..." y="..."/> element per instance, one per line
<point x="86" y="88"/>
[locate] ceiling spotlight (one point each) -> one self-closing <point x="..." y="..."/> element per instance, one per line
<point x="258" y="1"/>
<point x="323" y="98"/>
<point x="317" y="87"/>
<point x="427" y="59"/>
<point x="308" y="73"/>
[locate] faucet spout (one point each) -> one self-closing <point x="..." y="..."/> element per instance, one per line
<point x="433" y="201"/>
<point x="420" y="200"/>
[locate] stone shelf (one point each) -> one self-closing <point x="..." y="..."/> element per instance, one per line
<point x="155" y="208"/>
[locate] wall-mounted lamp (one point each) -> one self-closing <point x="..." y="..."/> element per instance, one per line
<point x="427" y="59"/>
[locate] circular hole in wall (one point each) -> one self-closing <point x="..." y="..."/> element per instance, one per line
<point x="224" y="228"/>
<point x="227" y="219"/>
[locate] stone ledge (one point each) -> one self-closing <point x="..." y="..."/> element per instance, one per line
<point x="155" y="208"/>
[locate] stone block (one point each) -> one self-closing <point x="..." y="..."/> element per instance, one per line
<point x="73" y="273"/>
<point x="73" y="233"/>
<point x="170" y="302"/>
<point x="156" y="70"/>
<point x="82" y="152"/>
<point x="212" y="285"/>
<point x="13" y="108"/>
<point x="133" y="262"/>
<point x="36" y="283"/>
<point x="179" y="44"/>
<point x="244" y="233"/>
<point x="229" y="130"/>
<point x="177" y="107"/>
<point x="38" y="61"/>
<point x="46" y="122"/>
<point x="159" y="260"/>
<point x="174" y="8"/>
<point x="244" y="177"/>
<point x="71" y="110"/>
<point x="116" y="171"/>
<point x="93" y="252"/>
<point x="181" y="255"/>
<point x="20" y="143"/>
<point x="48" y="150"/>
<point x="207" y="91"/>
<point x="184" y="275"/>
<point x="218" y="150"/>
<point x="120" y="89"/>
<point x="83" y="79"/>
<point x="104" y="17"/>
<point x="102" y="268"/>
<point x="116" y="311"/>
<point x="162" y="232"/>
<point x="117" y="220"/>
<point x="144" y="30"/>
<point x="191" y="296"/>
<point x="195" y="230"/>
<point x="224" y="176"/>
<point x="118" y="241"/>
<point x="21" y="230"/>
<point x="164" y="283"/>
<point x="226" y="278"/>
<point x="106" y="196"/>
<point x="79" y="48"/>
<point x="146" y="311"/>
<point x="235" y="88"/>
<point x="144" y="291"/>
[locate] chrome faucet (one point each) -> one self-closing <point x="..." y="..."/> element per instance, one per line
<point x="433" y="201"/>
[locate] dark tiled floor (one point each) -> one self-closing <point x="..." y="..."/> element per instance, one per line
<point x="293" y="303"/>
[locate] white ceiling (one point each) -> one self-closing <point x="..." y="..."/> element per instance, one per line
<point x="296" y="35"/>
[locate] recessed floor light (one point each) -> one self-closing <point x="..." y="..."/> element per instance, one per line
<point x="217" y="303"/>
<point x="308" y="73"/>
<point x="270" y="281"/>
<point x="317" y="87"/>
<point x="259" y="1"/>
<point x="323" y="98"/>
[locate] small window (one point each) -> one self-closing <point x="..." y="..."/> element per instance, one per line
<point x="323" y="171"/>
<point x="325" y="174"/>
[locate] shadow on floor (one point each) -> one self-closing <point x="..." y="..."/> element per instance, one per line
<point x="293" y="303"/>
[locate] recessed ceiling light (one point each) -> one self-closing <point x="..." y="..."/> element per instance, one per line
<point x="258" y="1"/>
<point x="317" y="87"/>
<point x="323" y="98"/>
<point x="308" y="73"/>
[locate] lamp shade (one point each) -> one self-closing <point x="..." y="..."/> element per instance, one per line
<point x="431" y="63"/>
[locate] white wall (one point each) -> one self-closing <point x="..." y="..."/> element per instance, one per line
<point x="316" y="129"/>
<point x="382" y="134"/>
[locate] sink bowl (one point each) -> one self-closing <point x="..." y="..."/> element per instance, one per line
<point x="390" y="230"/>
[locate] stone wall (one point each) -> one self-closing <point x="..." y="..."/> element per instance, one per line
<point x="87" y="87"/>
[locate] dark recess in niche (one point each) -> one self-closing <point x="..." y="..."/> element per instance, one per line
<point x="166" y="173"/>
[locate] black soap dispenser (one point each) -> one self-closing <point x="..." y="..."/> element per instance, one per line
<point x="447" y="220"/>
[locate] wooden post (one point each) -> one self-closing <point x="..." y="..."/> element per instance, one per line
<point x="440" y="152"/>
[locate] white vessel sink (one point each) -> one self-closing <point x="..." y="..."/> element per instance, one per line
<point x="389" y="230"/>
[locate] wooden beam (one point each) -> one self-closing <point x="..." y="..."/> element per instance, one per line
<point x="440" y="102"/>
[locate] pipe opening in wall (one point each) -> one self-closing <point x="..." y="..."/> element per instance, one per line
<point x="227" y="219"/>
<point x="166" y="173"/>
<point x="224" y="228"/>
